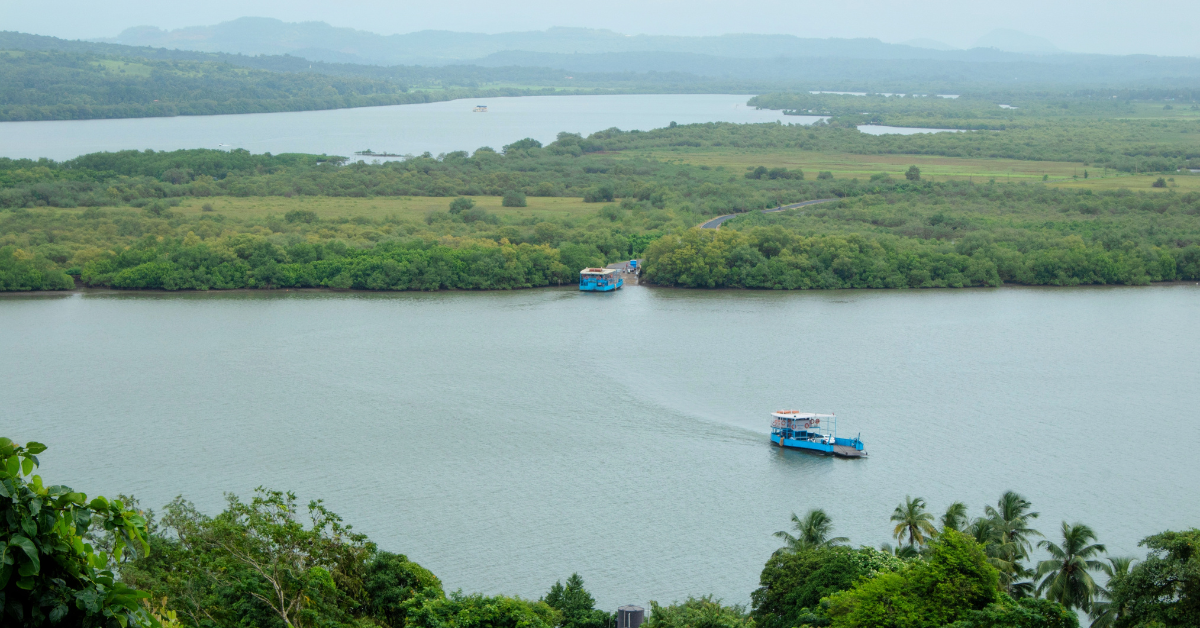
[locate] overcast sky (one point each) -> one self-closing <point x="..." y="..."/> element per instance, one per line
<point x="1167" y="27"/>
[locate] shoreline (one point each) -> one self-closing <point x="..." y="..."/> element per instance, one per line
<point x="89" y="291"/>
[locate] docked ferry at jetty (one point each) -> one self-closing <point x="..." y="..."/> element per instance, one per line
<point x="813" y="432"/>
<point x="600" y="280"/>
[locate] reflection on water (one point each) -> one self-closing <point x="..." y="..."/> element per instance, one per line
<point x="563" y="432"/>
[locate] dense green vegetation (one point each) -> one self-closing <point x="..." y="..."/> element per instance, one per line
<point x="110" y="218"/>
<point x="272" y="563"/>
<point x="73" y="86"/>
<point x="943" y="234"/>
<point x="1159" y="145"/>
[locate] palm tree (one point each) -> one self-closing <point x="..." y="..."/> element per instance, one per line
<point x="812" y="532"/>
<point x="1105" y="614"/>
<point x="913" y="521"/>
<point x="955" y="517"/>
<point x="904" y="552"/>
<point x="1010" y="541"/>
<point x="1065" y="577"/>
<point x="1012" y="517"/>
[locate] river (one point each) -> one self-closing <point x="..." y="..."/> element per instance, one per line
<point x="434" y="127"/>
<point x="507" y="439"/>
<point x="438" y="127"/>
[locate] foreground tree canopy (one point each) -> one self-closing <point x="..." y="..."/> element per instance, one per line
<point x="49" y="573"/>
<point x="273" y="562"/>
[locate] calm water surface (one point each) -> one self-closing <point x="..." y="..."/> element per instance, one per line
<point x="434" y="127"/>
<point x="505" y="440"/>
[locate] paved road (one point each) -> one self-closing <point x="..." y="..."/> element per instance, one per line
<point x="716" y="222"/>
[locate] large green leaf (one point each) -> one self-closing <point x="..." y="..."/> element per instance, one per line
<point x="27" y="466"/>
<point x="29" y="548"/>
<point x="29" y="526"/>
<point x="34" y="447"/>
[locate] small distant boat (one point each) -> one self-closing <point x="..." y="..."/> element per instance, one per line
<point x="804" y="430"/>
<point x="599" y="280"/>
<point x="480" y="109"/>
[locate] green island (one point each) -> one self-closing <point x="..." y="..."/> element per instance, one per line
<point x="1062" y="191"/>
<point x="272" y="561"/>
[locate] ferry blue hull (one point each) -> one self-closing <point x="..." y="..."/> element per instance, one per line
<point x="821" y="448"/>
<point x="591" y="286"/>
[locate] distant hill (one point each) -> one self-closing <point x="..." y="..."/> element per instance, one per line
<point x="932" y="44"/>
<point x="1005" y="59"/>
<point x="722" y="67"/>
<point x="322" y="42"/>
<point x="1016" y="41"/>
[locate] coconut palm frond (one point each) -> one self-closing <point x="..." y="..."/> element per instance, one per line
<point x="1065" y="577"/>
<point x="913" y="522"/>
<point x="955" y="517"/>
<point x="812" y="532"/>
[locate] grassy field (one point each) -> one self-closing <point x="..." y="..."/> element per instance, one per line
<point x="863" y="166"/>
<point x="404" y="207"/>
<point x="1061" y="174"/>
<point x="1181" y="183"/>
<point x="1178" y="111"/>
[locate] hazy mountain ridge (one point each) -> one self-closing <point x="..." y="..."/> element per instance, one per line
<point x="974" y="70"/>
<point x="320" y="41"/>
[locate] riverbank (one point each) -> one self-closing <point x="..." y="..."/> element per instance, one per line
<point x="631" y="280"/>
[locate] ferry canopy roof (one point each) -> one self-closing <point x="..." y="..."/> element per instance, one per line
<point x="796" y="414"/>
<point x="597" y="271"/>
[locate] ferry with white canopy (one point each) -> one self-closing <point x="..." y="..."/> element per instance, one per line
<point x="813" y="432"/>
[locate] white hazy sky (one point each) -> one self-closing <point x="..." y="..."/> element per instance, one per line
<point x="1165" y="27"/>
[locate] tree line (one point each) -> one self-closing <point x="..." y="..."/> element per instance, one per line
<point x="881" y="232"/>
<point x="272" y="561"/>
<point x="53" y="85"/>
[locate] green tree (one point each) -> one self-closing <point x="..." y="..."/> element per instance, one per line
<point x="478" y="611"/>
<point x="913" y="173"/>
<point x="954" y="580"/>
<point x="522" y="145"/>
<point x="811" y="532"/>
<point x="461" y="204"/>
<point x="757" y="173"/>
<point x="577" y="606"/>
<point x="792" y="584"/>
<point x="257" y="561"/>
<point x="603" y="193"/>
<point x="913" y="522"/>
<point x="298" y="215"/>
<point x="1065" y="576"/>
<point x="1162" y="591"/>
<point x="1011" y="540"/>
<point x="955" y="517"/>
<point x="1159" y="183"/>
<point x="1104" y="612"/>
<point x="390" y="581"/>
<point x="49" y="574"/>
<point x="701" y="612"/>
<point x="513" y="198"/>
<point x="1022" y="613"/>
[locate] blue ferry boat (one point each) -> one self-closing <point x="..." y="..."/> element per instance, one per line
<point x="813" y="432"/>
<point x="599" y="280"/>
